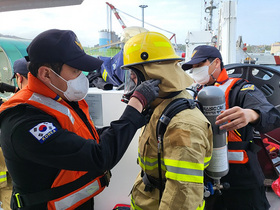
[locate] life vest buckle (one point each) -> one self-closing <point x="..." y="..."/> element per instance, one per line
<point x="107" y="177"/>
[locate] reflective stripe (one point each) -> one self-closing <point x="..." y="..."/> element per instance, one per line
<point x="77" y="196"/>
<point x="201" y="207"/>
<point x="133" y="48"/>
<point x="104" y="75"/>
<point x="237" y="156"/>
<point x="150" y="163"/>
<point x="3" y="176"/>
<point x="206" y="161"/>
<point x="133" y="205"/>
<point x="162" y="44"/>
<point x="52" y="104"/>
<point x="184" y="171"/>
<point x="224" y="86"/>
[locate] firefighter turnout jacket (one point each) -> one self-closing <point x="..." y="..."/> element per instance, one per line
<point x="244" y="170"/>
<point x="49" y="143"/>
<point x="187" y="149"/>
<point x="5" y="183"/>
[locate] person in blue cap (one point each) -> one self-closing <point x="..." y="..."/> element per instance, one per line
<point x="246" y="109"/>
<point x="21" y="72"/>
<point x="56" y="157"/>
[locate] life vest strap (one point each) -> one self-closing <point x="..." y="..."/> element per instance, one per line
<point x="244" y="145"/>
<point x="151" y="182"/>
<point x="23" y="200"/>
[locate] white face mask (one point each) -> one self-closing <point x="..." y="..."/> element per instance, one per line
<point x="77" y="88"/>
<point x="201" y="75"/>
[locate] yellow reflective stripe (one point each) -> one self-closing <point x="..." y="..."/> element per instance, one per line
<point x="201" y="207"/>
<point x="133" y="205"/>
<point x="206" y="161"/>
<point x="150" y="163"/>
<point x="133" y="48"/>
<point x="18" y="201"/>
<point x="184" y="177"/>
<point x="237" y="132"/>
<point x="3" y="176"/>
<point x="184" y="171"/>
<point x="162" y="44"/>
<point x="184" y="164"/>
<point x="104" y="75"/>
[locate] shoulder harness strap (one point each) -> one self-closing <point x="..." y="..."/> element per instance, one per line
<point x="168" y="113"/>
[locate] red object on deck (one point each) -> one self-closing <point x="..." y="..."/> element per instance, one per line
<point x="276" y="186"/>
<point x="277" y="59"/>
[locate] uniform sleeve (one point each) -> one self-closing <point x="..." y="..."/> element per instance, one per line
<point x="250" y="97"/>
<point x="65" y="150"/>
<point x="189" y="148"/>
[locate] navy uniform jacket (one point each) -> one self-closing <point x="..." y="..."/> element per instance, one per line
<point x="34" y="166"/>
<point x="250" y="175"/>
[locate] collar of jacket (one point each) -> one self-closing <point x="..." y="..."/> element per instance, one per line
<point x="223" y="77"/>
<point x="37" y="86"/>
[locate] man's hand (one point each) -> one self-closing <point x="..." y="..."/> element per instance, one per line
<point x="147" y="91"/>
<point x="236" y="118"/>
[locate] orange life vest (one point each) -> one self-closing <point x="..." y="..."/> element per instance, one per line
<point x="225" y="83"/>
<point x="39" y="95"/>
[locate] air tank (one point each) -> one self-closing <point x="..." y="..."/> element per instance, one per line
<point x="213" y="100"/>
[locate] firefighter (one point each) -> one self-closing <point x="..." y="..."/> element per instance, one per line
<point x="56" y="157"/>
<point x="246" y="109"/>
<point x="187" y="144"/>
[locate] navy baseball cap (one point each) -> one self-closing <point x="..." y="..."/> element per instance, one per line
<point x="20" y="66"/>
<point x="61" y="46"/>
<point x="201" y="53"/>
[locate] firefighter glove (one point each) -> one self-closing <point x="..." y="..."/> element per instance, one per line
<point x="147" y="91"/>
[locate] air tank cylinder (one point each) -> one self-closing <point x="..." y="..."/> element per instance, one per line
<point x="213" y="100"/>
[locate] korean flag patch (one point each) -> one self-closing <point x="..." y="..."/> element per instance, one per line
<point x="42" y="131"/>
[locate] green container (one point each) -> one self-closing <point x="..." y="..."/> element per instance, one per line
<point x="11" y="49"/>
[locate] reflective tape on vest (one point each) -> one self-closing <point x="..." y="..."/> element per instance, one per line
<point x="79" y="195"/>
<point x="237" y="156"/>
<point x="52" y="104"/>
<point x="3" y="176"/>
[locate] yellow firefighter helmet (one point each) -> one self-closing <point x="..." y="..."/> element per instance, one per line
<point x="148" y="47"/>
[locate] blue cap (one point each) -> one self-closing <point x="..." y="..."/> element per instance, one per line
<point x="20" y="66"/>
<point x="202" y="53"/>
<point x="61" y="46"/>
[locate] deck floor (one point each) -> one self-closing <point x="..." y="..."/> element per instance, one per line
<point x="273" y="199"/>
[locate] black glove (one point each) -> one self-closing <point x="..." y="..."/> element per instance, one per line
<point x="7" y="88"/>
<point x="147" y="91"/>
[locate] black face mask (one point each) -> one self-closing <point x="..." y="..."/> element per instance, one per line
<point x="133" y="78"/>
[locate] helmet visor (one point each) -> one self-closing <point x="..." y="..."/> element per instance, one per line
<point x="131" y="82"/>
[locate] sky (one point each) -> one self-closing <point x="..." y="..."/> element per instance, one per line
<point x="257" y="20"/>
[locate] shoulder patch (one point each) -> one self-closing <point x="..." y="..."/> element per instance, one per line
<point x="248" y="87"/>
<point x="43" y="131"/>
